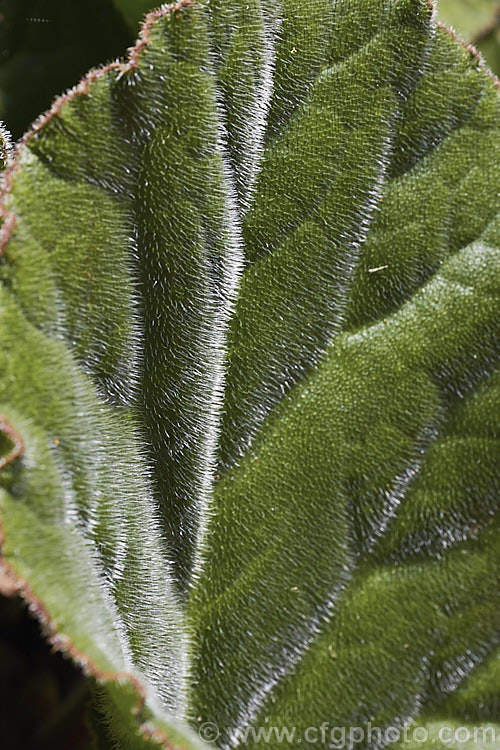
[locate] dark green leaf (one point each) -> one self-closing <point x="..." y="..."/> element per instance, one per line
<point x="249" y="329"/>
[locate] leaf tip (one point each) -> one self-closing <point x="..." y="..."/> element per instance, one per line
<point x="474" y="53"/>
<point x="149" y="21"/>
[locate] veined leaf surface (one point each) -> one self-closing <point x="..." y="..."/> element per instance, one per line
<point x="249" y="329"/>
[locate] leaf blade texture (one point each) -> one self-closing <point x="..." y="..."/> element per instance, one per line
<point x="249" y="335"/>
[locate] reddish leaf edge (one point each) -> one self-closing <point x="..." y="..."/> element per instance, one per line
<point x="81" y="89"/>
<point x="468" y="46"/>
<point x="11" y="583"/>
<point x="18" y="443"/>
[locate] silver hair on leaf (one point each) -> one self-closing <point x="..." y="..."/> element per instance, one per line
<point x="5" y="147"/>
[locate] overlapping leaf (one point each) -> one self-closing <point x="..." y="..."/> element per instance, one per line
<point x="249" y="331"/>
<point x="469" y="17"/>
<point x="477" y="22"/>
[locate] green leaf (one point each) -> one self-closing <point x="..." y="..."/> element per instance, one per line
<point x="248" y="338"/>
<point x="478" y="22"/>
<point x="134" y="10"/>
<point x="449" y="735"/>
<point x="489" y="47"/>
<point x="46" y="46"/>
<point x="468" y="17"/>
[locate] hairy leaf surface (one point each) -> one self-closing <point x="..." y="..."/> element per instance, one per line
<point x="47" y="45"/>
<point x="249" y="330"/>
<point x="477" y="22"/>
